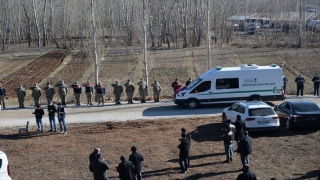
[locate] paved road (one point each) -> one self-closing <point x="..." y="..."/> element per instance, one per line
<point x="109" y="112"/>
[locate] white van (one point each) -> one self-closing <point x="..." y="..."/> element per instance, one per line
<point x="247" y="82"/>
<point x="4" y="167"/>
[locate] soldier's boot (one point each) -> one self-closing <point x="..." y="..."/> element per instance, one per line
<point x="131" y="102"/>
<point x="144" y="101"/>
<point x="22" y="105"/>
<point x="128" y="102"/>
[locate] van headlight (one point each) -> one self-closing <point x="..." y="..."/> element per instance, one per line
<point x="181" y="94"/>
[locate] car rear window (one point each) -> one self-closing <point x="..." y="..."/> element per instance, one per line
<point x="305" y="107"/>
<point x="261" y="112"/>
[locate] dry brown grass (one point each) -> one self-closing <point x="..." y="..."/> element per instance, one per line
<point x="283" y="154"/>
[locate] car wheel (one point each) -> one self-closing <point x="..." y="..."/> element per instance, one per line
<point x="289" y="124"/>
<point x="224" y="118"/>
<point x="192" y="103"/>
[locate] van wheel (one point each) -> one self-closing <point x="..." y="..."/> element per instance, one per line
<point x="192" y="103"/>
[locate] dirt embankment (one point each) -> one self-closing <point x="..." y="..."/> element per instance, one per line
<point x="34" y="72"/>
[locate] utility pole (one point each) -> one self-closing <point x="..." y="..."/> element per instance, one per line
<point x="94" y="44"/>
<point x="145" y="45"/>
<point x="209" y="35"/>
<point x="300" y="25"/>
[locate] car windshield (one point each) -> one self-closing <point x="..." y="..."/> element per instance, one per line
<point x="310" y="107"/>
<point x="195" y="82"/>
<point x="261" y="112"/>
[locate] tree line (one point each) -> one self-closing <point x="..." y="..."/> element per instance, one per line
<point x="170" y="23"/>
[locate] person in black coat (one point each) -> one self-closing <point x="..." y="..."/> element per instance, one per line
<point x="300" y="84"/>
<point x="93" y="155"/>
<point x="245" y="148"/>
<point x="239" y="124"/>
<point x="184" y="153"/>
<point x="285" y="81"/>
<point x="38" y="112"/>
<point x="247" y="174"/>
<point x="125" y="169"/>
<point x="99" y="168"/>
<point x="188" y="136"/>
<point x="136" y="159"/>
<point x="316" y="81"/>
<point x="52" y="118"/>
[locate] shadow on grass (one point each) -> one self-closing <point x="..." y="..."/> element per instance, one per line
<point x="164" y="171"/>
<point x="198" y="157"/>
<point x="208" y="132"/>
<point x="25" y="136"/>
<point x="210" y="174"/>
<point x="308" y="175"/>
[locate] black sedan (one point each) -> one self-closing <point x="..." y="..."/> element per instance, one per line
<point x="299" y="113"/>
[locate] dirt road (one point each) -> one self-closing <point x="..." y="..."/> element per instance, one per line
<point x="125" y="112"/>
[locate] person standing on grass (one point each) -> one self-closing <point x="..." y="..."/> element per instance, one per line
<point x="77" y="89"/>
<point x="3" y="94"/>
<point x="129" y="91"/>
<point x="247" y="174"/>
<point x="36" y="94"/>
<point x="184" y="153"/>
<point x="245" y="148"/>
<point x="99" y="168"/>
<point x="156" y="91"/>
<point x="188" y="136"/>
<point x="63" y="91"/>
<point x="300" y="84"/>
<point x="142" y="90"/>
<point x="93" y="155"/>
<point x="233" y="130"/>
<point x="176" y="85"/>
<point x="228" y="143"/>
<point x="101" y="91"/>
<point x="89" y="90"/>
<point x="189" y="82"/>
<point x="62" y="118"/>
<point x="316" y="81"/>
<point x="285" y="80"/>
<point x="239" y="124"/>
<point x="125" y="169"/>
<point x="117" y="91"/>
<point x="21" y="94"/>
<point x="136" y="159"/>
<point x="38" y="112"/>
<point x="49" y="92"/>
<point x="52" y="118"/>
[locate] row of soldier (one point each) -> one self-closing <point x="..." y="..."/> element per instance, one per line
<point x="77" y="90"/>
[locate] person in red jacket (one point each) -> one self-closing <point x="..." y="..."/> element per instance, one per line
<point x="176" y="85"/>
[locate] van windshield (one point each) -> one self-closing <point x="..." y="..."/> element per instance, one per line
<point x="195" y="82"/>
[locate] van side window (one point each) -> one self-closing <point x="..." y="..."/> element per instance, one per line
<point x="227" y="83"/>
<point x="204" y="86"/>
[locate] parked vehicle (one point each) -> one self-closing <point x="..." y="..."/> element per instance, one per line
<point x="313" y="25"/>
<point x="4" y="167"/>
<point x="299" y="113"/>
<point x="233" y="84"/>
<point x="256" y="115"/>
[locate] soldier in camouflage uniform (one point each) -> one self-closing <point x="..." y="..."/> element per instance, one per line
<point x="49" y="92"/>
<point x="101" y="91"/>
<point x="21" y="93"/>
<point x="129" y="90"/>
<point x="62" y="91"/>
<point x="142" y="90"/>
<point x="156" y="91"/>
<point x="117" y="91"/>
<point x="77" y="89"/>
<point x="36" y="94"/>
